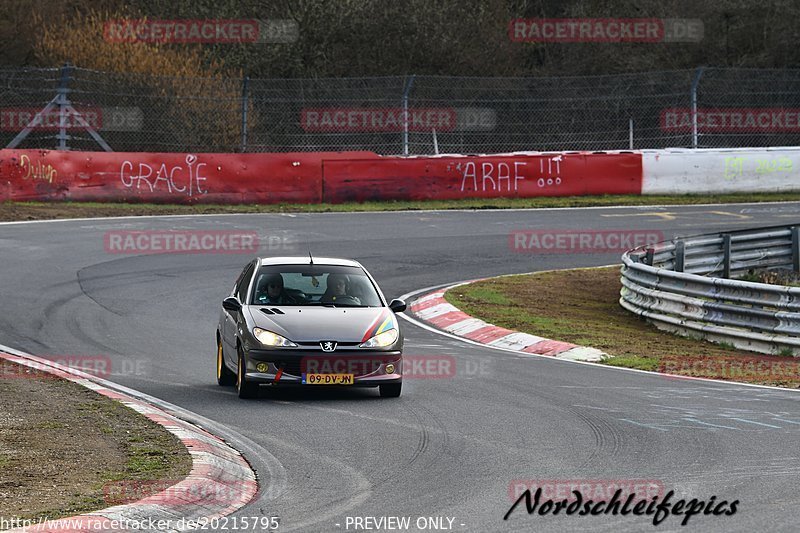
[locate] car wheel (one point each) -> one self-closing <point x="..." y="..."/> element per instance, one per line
<point x="224" y="376"/>
<point x="244" y="388"/>
<point x="391" y="390"/>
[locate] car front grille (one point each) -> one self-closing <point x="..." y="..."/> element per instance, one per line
<point x="290" y="367"/>
<point x="316" y="344"/>
<point x="359" y="364"/>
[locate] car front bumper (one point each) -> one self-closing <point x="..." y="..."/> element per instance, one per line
<point x="287" y="367"/>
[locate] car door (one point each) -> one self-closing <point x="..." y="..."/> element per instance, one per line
<point x="232" y="319"/>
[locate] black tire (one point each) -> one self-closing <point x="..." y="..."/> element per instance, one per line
<point x="391" y="390"/>
<point x="225" y="377"/>
<point x="244" y="388"/>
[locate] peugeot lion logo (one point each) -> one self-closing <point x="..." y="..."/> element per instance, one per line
<point x="328" y="346"/>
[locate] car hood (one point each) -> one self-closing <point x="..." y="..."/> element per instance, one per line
<point x="314" y="324"/>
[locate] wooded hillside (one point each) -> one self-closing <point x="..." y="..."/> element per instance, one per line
<point x="387" y="37"/>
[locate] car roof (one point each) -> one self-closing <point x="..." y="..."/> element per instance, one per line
<point x="304" y="260"/>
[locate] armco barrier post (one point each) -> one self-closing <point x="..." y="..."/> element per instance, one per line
<point x="796" y="248"/>
<point x="726" y="256"/>
<point x="680" y="255"/>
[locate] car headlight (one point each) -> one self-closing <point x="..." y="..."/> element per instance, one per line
<point x="381" y="340"/>
<point x="267" y="338"/>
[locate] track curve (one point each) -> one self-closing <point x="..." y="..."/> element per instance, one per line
<point x="447" y="447"/>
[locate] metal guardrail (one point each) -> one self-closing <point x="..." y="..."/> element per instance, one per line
<point x="683" y="286"/>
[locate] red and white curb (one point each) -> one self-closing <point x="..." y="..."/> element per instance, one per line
<point x="219" y="483"/>
<point x="434" y="310"/>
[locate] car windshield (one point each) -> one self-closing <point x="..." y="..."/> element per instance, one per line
<point x="314" y="285"/>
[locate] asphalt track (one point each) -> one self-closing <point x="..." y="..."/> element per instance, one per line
<point x="448" y="447"/>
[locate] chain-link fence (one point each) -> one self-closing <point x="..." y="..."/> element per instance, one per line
<point x="399" y="115"/>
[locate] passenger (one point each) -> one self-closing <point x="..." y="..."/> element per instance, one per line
<point x="338" y="291"/>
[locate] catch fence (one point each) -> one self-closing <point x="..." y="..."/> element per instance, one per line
<point x="700" y="108"/>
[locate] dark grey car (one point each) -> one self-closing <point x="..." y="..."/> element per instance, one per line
<point x="308" y="321"/>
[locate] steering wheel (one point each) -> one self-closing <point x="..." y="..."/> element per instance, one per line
<point x="345" y="299"/>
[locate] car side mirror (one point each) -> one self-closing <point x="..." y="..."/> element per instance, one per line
<point x="231" y="304"/>
<point x="397" y="306"/>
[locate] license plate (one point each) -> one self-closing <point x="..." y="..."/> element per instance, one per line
<point x="328" y="379"/>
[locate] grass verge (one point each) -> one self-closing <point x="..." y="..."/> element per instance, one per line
<point x="65" y="449"/>
<point x="582" y="306"/>
<point x="10" y="211"/>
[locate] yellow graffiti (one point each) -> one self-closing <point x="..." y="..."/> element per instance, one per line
<point x="735" y="166"/>
<point x="766" y="166"/>
<point x="38" y="170"/>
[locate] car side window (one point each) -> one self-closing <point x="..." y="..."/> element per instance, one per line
<point x="239" y="280"/>
<point x="244" y="283"/>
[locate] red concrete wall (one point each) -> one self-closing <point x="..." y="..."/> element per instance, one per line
<point x="491" y="176"/>
<point x="310" y="177"/>
<point x="165" y="177"/>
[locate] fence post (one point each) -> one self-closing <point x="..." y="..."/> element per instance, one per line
<point x="726" y="256"/>
<point x="796" y="248"/>
<point x="245" y="94"/>
<point x="406" y="90"/>
<point x="695" y="83"/>
<point x="63" y="102"/>
<point x="680" y="256"/>
<point x="630" y="133"/>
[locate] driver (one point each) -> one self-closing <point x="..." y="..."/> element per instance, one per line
<point x="275" y="293"/>
<point x="337" y="291"/>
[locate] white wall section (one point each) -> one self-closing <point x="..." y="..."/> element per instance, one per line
<point x="683" y="171"/>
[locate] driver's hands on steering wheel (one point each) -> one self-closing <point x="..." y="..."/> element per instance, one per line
<point x="345" y="299"/>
